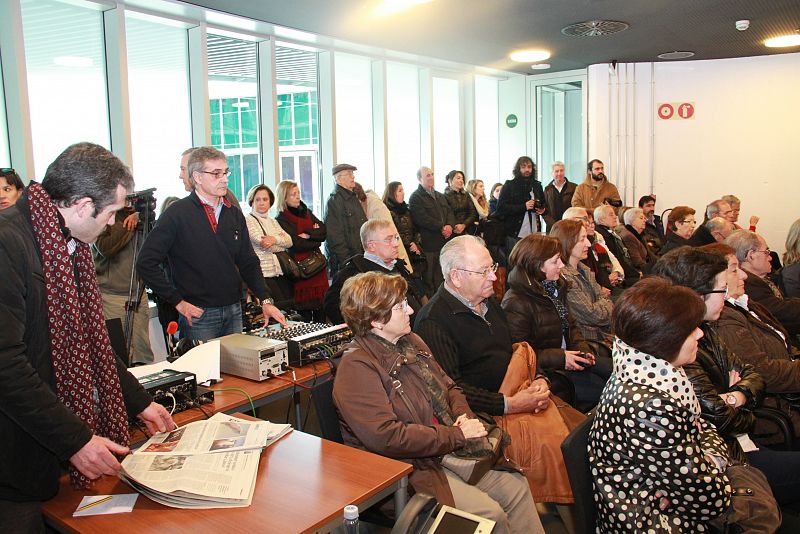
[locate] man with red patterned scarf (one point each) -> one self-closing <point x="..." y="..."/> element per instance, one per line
<point x="65" y="398"/>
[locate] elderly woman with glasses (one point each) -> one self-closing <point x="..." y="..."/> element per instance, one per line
<point x="11" y="188"/>
<point x="393" y="399"/>
<point x="651" y="454"/>
<point x="537" y="311"/>
<point x="681" y="223"/>
<point x="728" y="388"/>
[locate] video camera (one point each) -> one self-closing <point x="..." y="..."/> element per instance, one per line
<point x="144" y="203"/>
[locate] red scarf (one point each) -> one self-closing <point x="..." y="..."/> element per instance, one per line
<point x="79" y="346"/>
<point x="314" y="288"/>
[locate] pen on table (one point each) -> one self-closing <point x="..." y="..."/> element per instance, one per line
<point x="100" y="501"/>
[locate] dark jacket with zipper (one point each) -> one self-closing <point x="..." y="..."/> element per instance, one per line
<point x="532" y="317"/>
<point x="511" y="207"/>
<point x="408" y="232"/>
<point x="207" y="267"/>
<point x="557" y="201"/>
<point x="710" y="377"/>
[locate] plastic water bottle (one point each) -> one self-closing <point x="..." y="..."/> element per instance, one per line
<point x="351" y="519"/>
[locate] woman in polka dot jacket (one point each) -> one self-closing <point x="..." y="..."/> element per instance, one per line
<point x="657" y="465"/>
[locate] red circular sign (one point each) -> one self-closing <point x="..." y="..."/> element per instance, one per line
<point x="686" y="110"/>
<point x="666" y="111"/>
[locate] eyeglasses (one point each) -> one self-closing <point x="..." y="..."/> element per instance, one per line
<point x="6" y="170"/>
<point x="392" y="239"/>
<point x="723" y="291"/>
<point x="401" y="306"/>
<point x="765" y="252"/>
<point x="485" y="272"/>
<point x="218" y="173"/>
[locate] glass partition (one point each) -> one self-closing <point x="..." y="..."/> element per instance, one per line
<point x="65" y="57"/>
<point x="158" y="86"/>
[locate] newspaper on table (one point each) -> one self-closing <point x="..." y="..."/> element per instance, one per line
<point x="207" y="464"/>
<point x="220" y="433"/>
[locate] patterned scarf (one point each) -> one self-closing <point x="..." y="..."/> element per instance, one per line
<point x="83" y="361"/>
<point x="551" y="290"/>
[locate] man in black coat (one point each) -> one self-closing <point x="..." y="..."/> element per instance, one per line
<point x="521" y="202"/>
<point x="344" y="216"/>
<point x="557" y="195"/>
<point x="432" y="215"/>
<point x="381" y="245"/>
<point x="43" y="419"/>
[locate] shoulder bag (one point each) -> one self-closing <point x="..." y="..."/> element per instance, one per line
<point x="289" y="267"/>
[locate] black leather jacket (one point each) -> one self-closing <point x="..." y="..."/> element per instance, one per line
<point x="710" y="376"/>
<point x="463" y="209"/>
<point x="401" y="216"/>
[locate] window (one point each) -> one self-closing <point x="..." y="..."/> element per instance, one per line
<point x="233" y="100"/>
<point x="65" y="57"/>
<point x="354" y="142"/>
<point x="298" y="122"/>
<point x="159" y="102"/>
<point x="5" y="156"/>
<point x="402" y="112"/>
<point x="487" y="142"/>
<point x="446" y="127"/>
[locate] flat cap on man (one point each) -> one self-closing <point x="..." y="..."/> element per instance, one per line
<point x="343" y="167"/>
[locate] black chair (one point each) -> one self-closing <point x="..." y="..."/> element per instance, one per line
<point x="575" y="450"/>
<point x="780" y="420"/>
<point x="322" y="397"/>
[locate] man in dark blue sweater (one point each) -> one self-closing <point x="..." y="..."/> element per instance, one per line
<point x="205" y="241"/>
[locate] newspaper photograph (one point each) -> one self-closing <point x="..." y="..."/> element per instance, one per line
<point x="220" y="433"/>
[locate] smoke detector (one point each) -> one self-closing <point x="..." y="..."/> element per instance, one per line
<point x="594" y="28"/>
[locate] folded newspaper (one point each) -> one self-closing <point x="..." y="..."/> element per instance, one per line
<point x="205" y="464"/>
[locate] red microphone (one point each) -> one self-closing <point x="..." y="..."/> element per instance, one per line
<point x="172" y="329"/>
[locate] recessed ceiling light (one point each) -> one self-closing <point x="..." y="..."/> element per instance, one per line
<point x="783" y="40"/>
<point x="540" y="66"/>
<point x="529" y="56"/>
<point x="73" y="61"/>
<point x="675" y="55"/>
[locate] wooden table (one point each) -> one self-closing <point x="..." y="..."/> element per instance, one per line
<point x="303" y="484"/>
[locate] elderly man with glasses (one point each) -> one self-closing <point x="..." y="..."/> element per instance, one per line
<point x="754" y="259"/>
<point x="381" y="246"/>
<point x="466" y="329"/>
<point x="205" y="242"/>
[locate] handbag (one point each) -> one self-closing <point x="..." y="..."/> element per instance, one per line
<point x="472" y="463"/>
<point x="312" y="265"/>
<point x="289" y="267"/>
<point x="753" y="508"/>
<point x="298" y="270"/>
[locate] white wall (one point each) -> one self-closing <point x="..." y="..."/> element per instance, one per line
<point x="513" y="141"/>
<point x="743" y="139"/>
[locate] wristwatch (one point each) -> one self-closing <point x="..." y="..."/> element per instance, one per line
<point x="271" y="302"/>
<point x="730" y="398"/>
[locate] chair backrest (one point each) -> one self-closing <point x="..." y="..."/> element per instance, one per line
<point x="322" y="396"/>
<point x="575" y="450"/>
